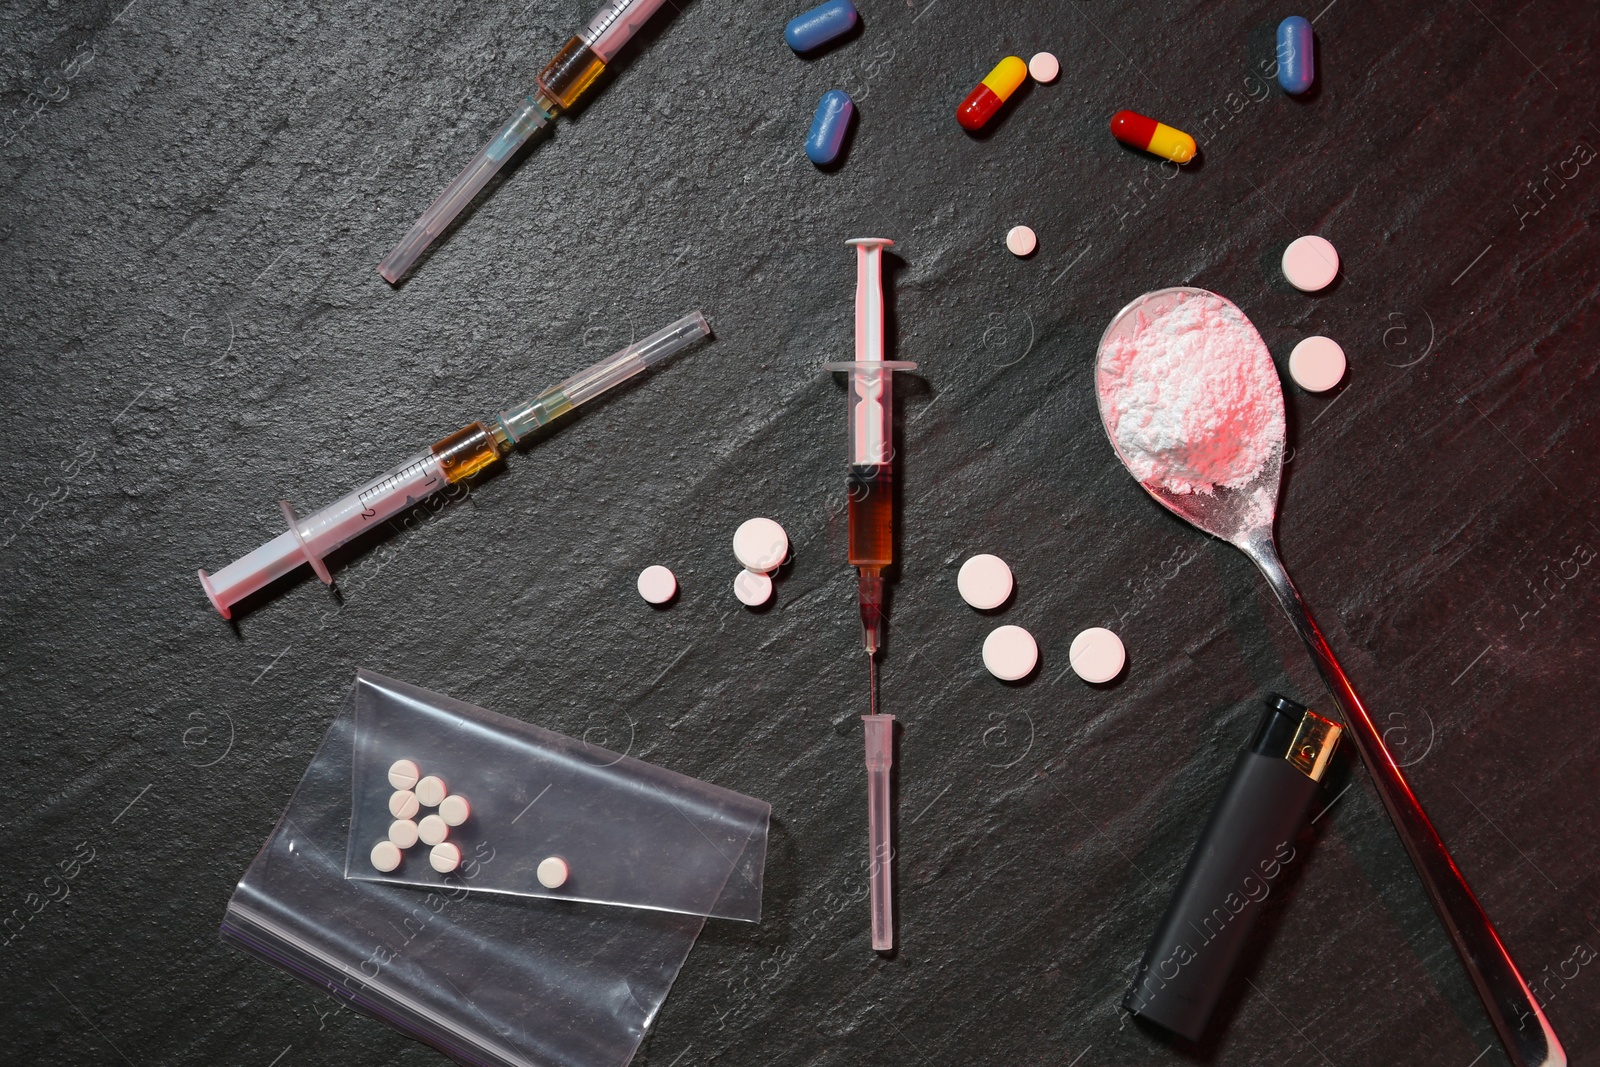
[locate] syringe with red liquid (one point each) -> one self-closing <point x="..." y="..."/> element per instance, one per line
<point x="871" y="518"/>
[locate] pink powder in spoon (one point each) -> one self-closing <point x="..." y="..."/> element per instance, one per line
<point x="1191" y="397"/>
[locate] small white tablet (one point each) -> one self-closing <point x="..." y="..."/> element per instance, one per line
<point x="1310" y="263"/>
<point x="657" y="584"/>
<point x="403" y="804"/>
<point x="1010" y="653"/>
<point x="445" y="857"/>
<point x="432" y="830"/>
<point x="984" y="581"/>
<point x="1317" y="364"/>
<point x="431" y="790"/>
<point x="386" y="856"/>
<point x="454" y="810"/>
<point x="1097" y="655"/>
<point x="760" y="545"/>
<point x="553" y="872"/>
<point x="752" y="588"/>
<point x="403" y="774"/>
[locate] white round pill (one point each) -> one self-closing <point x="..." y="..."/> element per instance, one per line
<point x="431" y="790"/>
<point x="1021" y="240"/>
<point x="984" y="581"/>
<point x="454" y="810"/>
<point x="1097" y="655"/>
<point x="403" y="832"/>
<point x="445" y="857"/>
<point x="1310" y="263"/>
<point x="1010" y="653"/>
<point x="1044" y="67"/>
<point x="657" y="584"/>
<point x="752" y="588"/>
<point x="403" y="774"/>
<point x="403" y="805"/>
<point x="386" y="856"/>
<point x="553" y="872"/>
<point x="432" y="829"/>
<point x="761" y="545"/>
<point x="1317" y="364"/>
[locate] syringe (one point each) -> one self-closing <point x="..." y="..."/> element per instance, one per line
<point x="450" y="460"/>
<point x="871" y="537"/>
<point x="562" y="82"/>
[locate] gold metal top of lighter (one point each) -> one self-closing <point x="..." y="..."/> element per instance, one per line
<point x="1313" y="745"/>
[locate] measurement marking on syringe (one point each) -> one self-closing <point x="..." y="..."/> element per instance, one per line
<point x="388" y="484"/>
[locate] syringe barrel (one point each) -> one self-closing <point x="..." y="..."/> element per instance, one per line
<point x="582" y="59"/>
<point x="568" y="76"/>
<point x="377" y="501"/>
<point x="615" y="24"/>
<point x="318" y="534"/>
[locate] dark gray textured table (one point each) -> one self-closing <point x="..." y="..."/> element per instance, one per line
<point x="195" y="197"/>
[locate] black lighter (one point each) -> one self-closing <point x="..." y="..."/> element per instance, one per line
<point x="1245" y="849"/>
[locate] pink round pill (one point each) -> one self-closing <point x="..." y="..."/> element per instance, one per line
<point x="454" y="810"/>
<point x="432" y="830"/>
<point x="1044" y="67"/>
<point x="1097" y="655"/>
<point x="1021" y="241"/>
<point x="1317" y="364"/>
<point x="431" y="790"/>
<point x="386" y="856"/>
<point x="1010" y="653"/>
<point x="403" y="804"/>
<point x="1310" y="263"/>
<point x="403" y="774"/>
<point x="657" y="584"/>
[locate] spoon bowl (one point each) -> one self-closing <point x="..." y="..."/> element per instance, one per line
<point x="1232" y="514"/>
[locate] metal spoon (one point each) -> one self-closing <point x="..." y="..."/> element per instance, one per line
<point x="1243" y="517"/>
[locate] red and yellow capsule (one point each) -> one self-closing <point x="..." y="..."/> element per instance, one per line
<point x="995" y="89"/>
<point x="1132" y="128"/>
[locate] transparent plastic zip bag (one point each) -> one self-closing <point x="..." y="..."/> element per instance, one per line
<point x="630" y="832"/>
<point x="486" y="978"/>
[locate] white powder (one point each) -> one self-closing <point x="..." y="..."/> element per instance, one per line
<point x="1191" y="397"/>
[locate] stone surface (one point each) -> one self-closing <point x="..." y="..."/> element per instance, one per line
<point x="195" y="197"/>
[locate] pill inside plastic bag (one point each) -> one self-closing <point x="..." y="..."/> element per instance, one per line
<point x="632" y="833"/>
<point x="485" y="978"/>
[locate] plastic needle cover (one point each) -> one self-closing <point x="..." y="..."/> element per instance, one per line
<point x="561" y="84"/>
<point x="880" y="757"/>
<point x="450" y="460"/>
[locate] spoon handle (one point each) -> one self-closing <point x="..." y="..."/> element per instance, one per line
<point x="1526" y="1034"/>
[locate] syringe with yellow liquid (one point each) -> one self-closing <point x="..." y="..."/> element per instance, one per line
<point x="450" y="460"/>
<point x="560" y="85"/>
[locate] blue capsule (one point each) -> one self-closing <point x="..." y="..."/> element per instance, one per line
<point x="820" y="25"/>
<point x="1297" y="64"/>
<point x="829" y="126"/>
